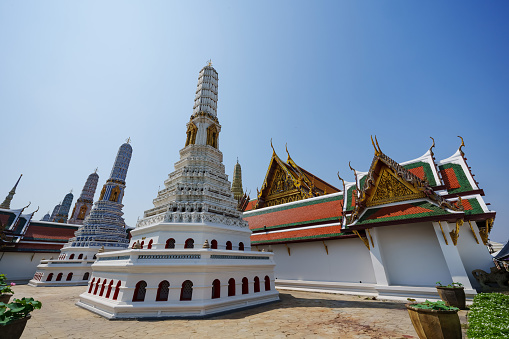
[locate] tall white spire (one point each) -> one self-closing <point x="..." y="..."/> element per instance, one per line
<point x="206" y="91"/>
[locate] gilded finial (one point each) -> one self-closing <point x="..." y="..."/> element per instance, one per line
<point x="36" y="210"/>
<point x="273" y="150"/>
<point x="209" y="62"/>
<point x="237" y="160"/>
<point x="432" y="146"/>
<point x="96" y="169"/>
<point x="70" y="191"/>
<point x="462" y="145"/>
<point x="350" y="166"/>
<point x="341" y="179"/>
<point x="128" y="140"/>
<point x="29" y="203"/>
<point x="286" y="146"/>
<point x="379" y="149"/>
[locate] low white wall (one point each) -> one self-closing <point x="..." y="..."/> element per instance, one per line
<point x="21" y="266"/>
<point x="412" y="255"/>
<point x="348" y="261"/>
<point x="473" y="255"/>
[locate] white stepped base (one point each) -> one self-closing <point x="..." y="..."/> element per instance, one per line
<point x="37" y="283"/>
<point x="118" y="310"/>
<point x="400" y="293"/>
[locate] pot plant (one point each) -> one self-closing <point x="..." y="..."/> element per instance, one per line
<point x="435" y="320"/>
<point x="453" y="294"/>
<point x="14" y="316"/>
<point x="5" y="289"/>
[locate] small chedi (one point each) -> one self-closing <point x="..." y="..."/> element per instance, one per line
<point x="102" y="231"/>
<point x="190" y="255"/>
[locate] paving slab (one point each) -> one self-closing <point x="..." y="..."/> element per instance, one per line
<point x="298" y="315"/>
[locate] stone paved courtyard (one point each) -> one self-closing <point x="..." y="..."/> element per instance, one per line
<point x="298" y="315"/>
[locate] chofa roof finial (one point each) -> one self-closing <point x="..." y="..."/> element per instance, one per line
<point x="378" y="151"/>
<point x="462" y="145"/>
<point x="273" y="151"/>
<point x="341" y="179"/>
<point x="432" y="146"/>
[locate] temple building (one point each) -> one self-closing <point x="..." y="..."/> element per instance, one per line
<point x="63" y="211"/>
<point x="24" y="242"/>
<point x="6" y="204"/>
<point x="190" y="255"/>
<point x="84" y="203"/>
<point x="102" y="231"/>
<point x="392" y="233"/>
<point x="237" y="190"/>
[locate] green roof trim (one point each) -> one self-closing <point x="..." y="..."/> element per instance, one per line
<point x="476" y="207"/>
<point x="46" y="239"/>
<point x="435" y="210"/>
<point x="285" y="207"/>
<point x="460" y="175"/>
<point x="363" y="180"/>
<point x="427" y="171"/>
<point x="297" y="223"/>
<point x="53" y="225"/>
<point x="259" y="242"/>
<point x="349" y="194"/>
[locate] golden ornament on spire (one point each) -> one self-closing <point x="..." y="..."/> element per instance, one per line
<point x="462" y="145"/>
<point x="209" y="62"/>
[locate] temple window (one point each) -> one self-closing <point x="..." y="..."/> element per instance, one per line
<point x="267" y="283"/>
<point x="80" y="256"/>
<point x="189" y="243"/>
<point x="140" y="291"/>
<point x="149" y="246"/>
<point x="91" y="285"/>
<point x="50" y="276"/>
<point x="115" y="192"/>
<point x="241" y="246"/>
<point x="163" y="291"/>
<point x="69" y="277"/>
<point x="216" y="289"/>
<point x="97" y="286"/>
<point x="142" y="243"/>
<point x="102" y="288"/>
<point x="186" y="293"/>
<point x="228" y="245"/>
<point x="256" y="284"/>
<point x="231" y="287"/>
<point x="170" y="243"/>
<point x="86" y="275"/>
<point x="109" y="289"/>
<point x="245" y="286"/>
<point x="71" y="256"/>
<point x="117" y="290"/>
<point x="59" y="276"/>
<point x="213" y="244"/>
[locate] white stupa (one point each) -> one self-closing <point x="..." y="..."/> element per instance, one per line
<point x="190" y="255"/>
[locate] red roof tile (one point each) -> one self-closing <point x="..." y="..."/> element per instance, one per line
<point x="317" y="231"/>
<point x="48" y="233"/>
<point x="418" y="171"/>
<point x="251" y="205"/>
<point x="319" y="211"/>
<point x="450" y="179"/>
<point x="398" y="210"/>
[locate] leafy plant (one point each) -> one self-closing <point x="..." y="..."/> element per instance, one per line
<point x="435" y="305"/>
<point x="489" y="316"/>
<point x="17" y="309"/>
<point x="4" y="287"/>
<point x="453" y="285"/>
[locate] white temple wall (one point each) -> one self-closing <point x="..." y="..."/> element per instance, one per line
<point x="348" y="261"/>
<point x="21" y="266"/>
<point x="473" y="255"/>
<point x="412" y="255"/>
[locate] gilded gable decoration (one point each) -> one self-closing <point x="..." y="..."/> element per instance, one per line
<point x="287" y="182"/>
<point x="388" y="182"/>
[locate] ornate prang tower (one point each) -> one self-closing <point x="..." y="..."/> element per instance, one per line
<point x="105" y="225"/>
<point x="237" y="190"/>
<point x="55" y="211"/>
<point x="84" y="204"/>
<point x="7" y="202"/>
<point x="63" y="211"/>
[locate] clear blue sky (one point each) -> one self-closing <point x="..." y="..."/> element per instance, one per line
<point x="78" y="78"/>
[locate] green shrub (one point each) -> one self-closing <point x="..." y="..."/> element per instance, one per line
<point x="489" y="316"/>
